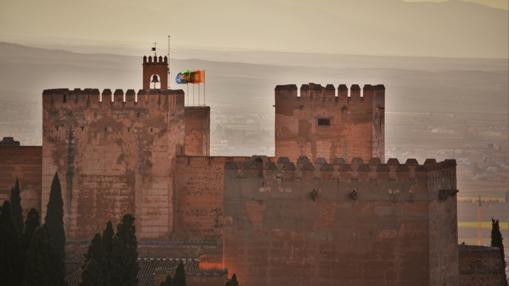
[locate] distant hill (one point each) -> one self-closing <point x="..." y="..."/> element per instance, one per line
<point x="435" y="108"/>
<point x="450" y="28"/>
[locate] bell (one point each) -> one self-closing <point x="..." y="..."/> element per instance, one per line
<point x="155" y="79"/>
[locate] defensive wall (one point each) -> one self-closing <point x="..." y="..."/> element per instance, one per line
<point x="480" y="265"/>
<point x="197" y="125"/>
<point x="329" y="123"/>
<point x="25" y="164"/>
<point x="199" y="200"/>
<point x="361" y="223"/>
<point x="115" y="153"/>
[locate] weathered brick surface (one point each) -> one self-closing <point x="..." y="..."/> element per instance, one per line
<point x="113" y="157"/>
<point x="24" y="163"/>
<point x="272" y="223"/>
<point x="480" y="266"/>
<point x="277" y="234"/>
<point x="356" y="123"/>
<point x="197" y="124"/>
<point x="443" y="228"/>
<point x="199" y="199"/>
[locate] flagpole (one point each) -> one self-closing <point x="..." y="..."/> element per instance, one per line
<point x="169" y="48"/>
<point x="204" y="82"/>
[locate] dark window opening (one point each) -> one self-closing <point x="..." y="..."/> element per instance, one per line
<point x="323" y="121"/>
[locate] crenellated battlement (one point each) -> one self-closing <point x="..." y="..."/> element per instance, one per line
<point x="317" y="93"/>
<point x="356" y="169"/>
<point x="155" y="60"/>
<point x="90" y="97"/>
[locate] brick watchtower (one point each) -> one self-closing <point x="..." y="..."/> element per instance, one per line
<point x="155" y="72"/>
<point x="328" y="124"/>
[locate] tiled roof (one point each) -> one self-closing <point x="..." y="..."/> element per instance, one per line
<point x="150" y="266"/>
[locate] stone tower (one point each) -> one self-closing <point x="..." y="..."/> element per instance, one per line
<point x="326" y="124"/>
<point x="155" y="72"/>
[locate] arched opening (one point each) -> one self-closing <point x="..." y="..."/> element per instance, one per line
<point x="155" y="81"/>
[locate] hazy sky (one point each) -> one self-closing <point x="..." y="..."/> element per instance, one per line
<point x="454" y="28"/>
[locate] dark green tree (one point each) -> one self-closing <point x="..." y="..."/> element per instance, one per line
<point x="107" y="243"/>
<point x="167" y="281"/>
<point x="31" y="224"/>
<point x="124" y="254"/>
<point x="9" y="268"/>
<point x="91" y="274"/>
<point x="180" y="275"/>
<point x="55" y="218"/>
<point x="497" y="241"/>
<point x="40" y="269"/>
<point x="19" y="250"/>
<point x="107" y="239"/>
<point x="17" y="212"/>
<point x="95" y="250"/>
<point x="93" y="271"/>
<point x="54" y="225"/>
<point x="233" y="281"/>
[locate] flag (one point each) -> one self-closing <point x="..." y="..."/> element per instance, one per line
<point x="153" y="49"/>
<point x="190" y="77"/>
<point x="197" y="77"/>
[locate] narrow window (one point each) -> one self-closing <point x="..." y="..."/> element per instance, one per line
<point x="323" y="121"/>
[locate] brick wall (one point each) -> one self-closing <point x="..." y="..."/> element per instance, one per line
<point x="113" y="156"/>
<point x="199" y="196"/>
<point x="24" y="163"/>
<point x="324" y="224"/>
<point x="321" y="123"/>
<point x="479" y="266"/>
<point x="197" y="122"/>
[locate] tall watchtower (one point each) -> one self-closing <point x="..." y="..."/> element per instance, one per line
<point x="155" y="72"/>
<point x="324" y="123"/>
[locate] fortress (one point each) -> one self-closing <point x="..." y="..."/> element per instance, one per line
<point x="327" y="209"/>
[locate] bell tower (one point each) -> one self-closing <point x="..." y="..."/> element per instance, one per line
<point x="155" y="72"/>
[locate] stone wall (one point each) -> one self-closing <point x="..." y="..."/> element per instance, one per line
<point x="25" y="164"/>
<point x="480" y="266"/>
<point x="443" y="225"/>
<point x="324" y="224"/>
<point x="199" y="197"/>
<point x="115" y="154"/>
<point x="197" y="122"/>
<point x="321" y="123"/>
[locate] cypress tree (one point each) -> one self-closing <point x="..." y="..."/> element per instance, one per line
<point x="55" y="217"/>
<point x="124" y="254"/>
<point x="17" y="221"/>
<point x="40" y="268"/>
<point x="167" y="281"/>
<point x="9" y="267"/>
<point x="107" y="244"/>
<point x="17" y="212"/>
<point x="180" y="275"/>
<point x="31" y="224"/>
<point x="95" y="250"/>
<point x="497" y="241"/>
<point x="54" y="224"/>
<point x="90" y="274"/>
<point x="107" y="239"/>
<point x="93" y="271"/>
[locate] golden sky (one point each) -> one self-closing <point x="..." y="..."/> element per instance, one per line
<point x="435" y="28"/>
